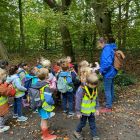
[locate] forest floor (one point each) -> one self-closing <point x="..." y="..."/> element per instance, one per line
<point x="122" y="124"/>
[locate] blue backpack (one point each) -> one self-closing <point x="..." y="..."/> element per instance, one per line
<point x="63" y="84"/>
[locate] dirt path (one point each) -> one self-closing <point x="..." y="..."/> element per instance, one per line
<point x="122" y="124"/>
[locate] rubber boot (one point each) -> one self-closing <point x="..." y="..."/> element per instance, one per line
<point x="47" y="136"/>
<point x="44" y="134"/>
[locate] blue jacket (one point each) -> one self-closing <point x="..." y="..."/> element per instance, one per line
<point x="107" y="61"/>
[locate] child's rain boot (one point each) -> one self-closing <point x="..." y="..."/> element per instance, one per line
<point x="44" y="134"/>
<point x="47" y="136"/>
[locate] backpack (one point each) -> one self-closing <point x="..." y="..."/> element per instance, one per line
<point x="52" y="83"/>
<point x="23" y="79"/>
<point x="7" y="90"/>
<point x="63" y="85"/>
<point x="35" y="97"/>
<point x="28" y="83"/>
<point x="118" y="59"/>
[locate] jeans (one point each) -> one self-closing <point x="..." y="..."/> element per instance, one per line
<point x="68" y="96"/>
<point x="1" y="122"/>
<point x="109" y="91"/>
<point x="18" y="106"/>
<point x="92" y="124"/>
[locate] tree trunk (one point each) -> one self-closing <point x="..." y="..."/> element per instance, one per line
<point x="102" y="17"/>
<point x="125" y="25"/>
<point x="94" y="40"/>
<point x="22" y="36"/>
<point x="66" y="38"/>
<point x="46" y="38"/>
<point x="120" y="25"/>
<point x="67" y="44"/>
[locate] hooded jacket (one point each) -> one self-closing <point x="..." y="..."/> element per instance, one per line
<point x="107" y="61"/>
<point x="15" y="80"/>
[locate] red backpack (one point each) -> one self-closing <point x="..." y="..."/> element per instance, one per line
<point x="7" y="90"/>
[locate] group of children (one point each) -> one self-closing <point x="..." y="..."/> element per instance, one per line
<point x="75" y="86"/>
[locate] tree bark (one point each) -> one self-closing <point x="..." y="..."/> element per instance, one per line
<point x="125" y="25"/>
<point x="22" y="36"/>
<point x="67" y="44"/>
<point x="46" y="38"/>
<point x="102" y="17"/>
<point x="66" y="38"/>
<point x="120" y="25"/>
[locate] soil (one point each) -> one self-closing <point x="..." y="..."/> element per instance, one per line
<point x="122" y="124"/>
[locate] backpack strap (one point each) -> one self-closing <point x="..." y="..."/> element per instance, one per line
<point x="43" y="88"/>
<point x="42" y="91"/>
<point x="90" y="96"/>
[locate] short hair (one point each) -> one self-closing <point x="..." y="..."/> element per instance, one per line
<point x="83" y="63"/>
<point x="43" y="73"/>
<point x="13" y="69"/>
<point x="45" y="63"/>
<point x="92" y="78"/>
<point x="65" y="66"/>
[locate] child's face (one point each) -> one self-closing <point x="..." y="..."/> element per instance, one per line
<point x="68" y="59"/>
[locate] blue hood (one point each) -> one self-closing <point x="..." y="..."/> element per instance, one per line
<point x="107" y="61"/>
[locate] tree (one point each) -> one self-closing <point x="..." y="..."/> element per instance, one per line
<point x="102" y="17"/>
<point x="22" y="36"/>
<point x="66" y="38"/>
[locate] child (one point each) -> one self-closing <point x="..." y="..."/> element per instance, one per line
<point x="31" y="80"/>
<point x="22" y="72"/>
<point x="52" y="79"/>
<point x="67" y="96"/>
<point x="87" y="106"/>
<point x="45" y="111"/>
<point x="4" y="108"/>
<point x="20" y="92"/>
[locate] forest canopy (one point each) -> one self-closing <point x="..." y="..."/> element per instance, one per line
<point x="33" y="25"/>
